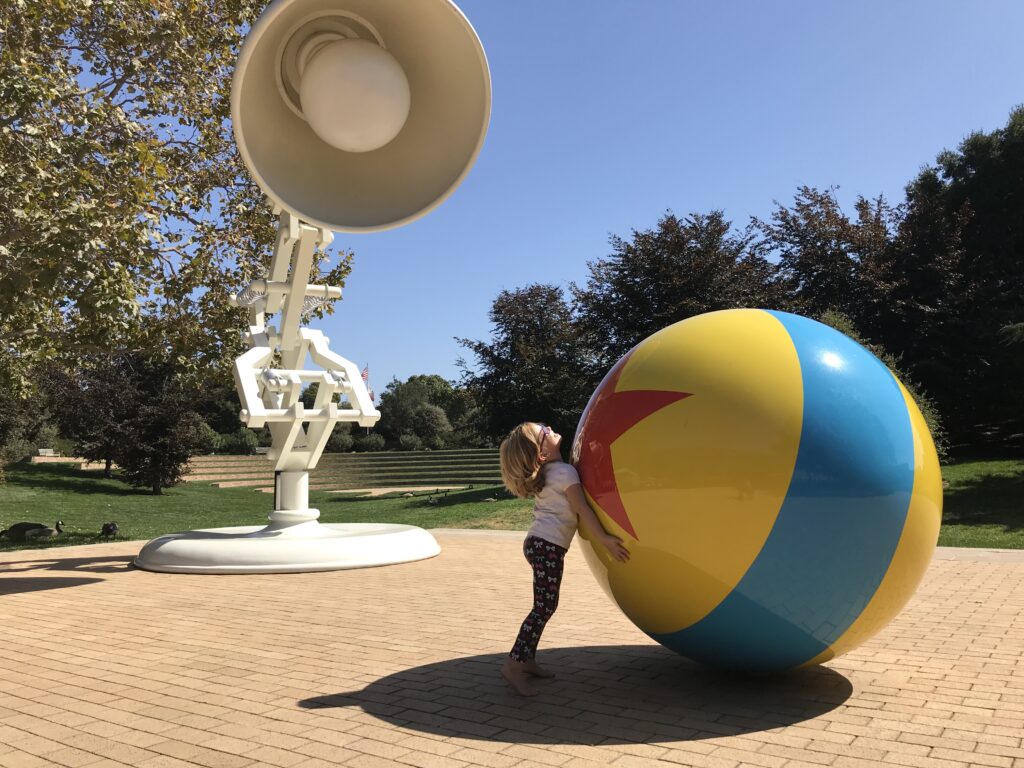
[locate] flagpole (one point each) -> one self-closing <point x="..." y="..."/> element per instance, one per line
<point x="366" y="383"/>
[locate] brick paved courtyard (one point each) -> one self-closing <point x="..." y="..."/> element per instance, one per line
<point x="105" y="665"/>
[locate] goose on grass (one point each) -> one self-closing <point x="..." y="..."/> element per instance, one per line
<point x="22" y="531"/>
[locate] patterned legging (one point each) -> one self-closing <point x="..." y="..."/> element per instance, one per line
<point x="548" y="561"/>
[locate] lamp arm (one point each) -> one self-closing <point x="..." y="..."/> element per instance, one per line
<point x="248" y="370"/>
<point x="354" y="386"/>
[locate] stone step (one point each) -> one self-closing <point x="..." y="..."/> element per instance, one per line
<point x="330" y="482"/>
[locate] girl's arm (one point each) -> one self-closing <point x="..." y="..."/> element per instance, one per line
<point x="592" y="526"/>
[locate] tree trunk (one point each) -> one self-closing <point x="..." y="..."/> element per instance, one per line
<point x="157" y="488"/>
<point x="106" y="470"/>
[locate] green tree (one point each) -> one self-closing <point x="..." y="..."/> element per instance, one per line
<point x="959" y="258"/>
<point x="164" y="431"/>
<point x="660" y="276"/>
<point x="241" y="442"/>
<point x="535" y="365"/>
<point x="219" y="406"/>
<point x="873" y="244"/>
<point x="858" y="268"/>
<point x="410" y="442"/>
<point x="123" y="195"/>
<point x="23" y="428"/>
<point x="417" y="407"/>
<point x="813" y="246"/>
<point x="430" y="424"/>
<point x="93" y="404"/>
<point x="465" y="417"/>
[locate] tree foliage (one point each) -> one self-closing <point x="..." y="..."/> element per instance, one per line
<point x="93" y="404"/>
<point x="660" y="276"/>
<point x="534" y="366"/>
<point x="140" y="412"/>
<point x="22" y="428"/>
<point x="933" y="292"/>
<point x="163" y="430"/>
<point x="813" y="248"/>
<point x="123" y="195"/>
<point x="963" y="240"/>
<point x="127" y="217"/>
<point x="424" y="411"/>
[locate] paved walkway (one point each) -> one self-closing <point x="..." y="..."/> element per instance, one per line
<point x="104" y="665"/>
<point x="418" y="490"/>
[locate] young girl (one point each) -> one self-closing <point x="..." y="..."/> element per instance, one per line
<point x="532" y="465"/>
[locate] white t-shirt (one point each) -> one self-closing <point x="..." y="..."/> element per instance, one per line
<point x="553" y="518"/>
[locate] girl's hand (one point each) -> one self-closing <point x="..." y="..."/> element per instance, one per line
<point x="615" y="548"/>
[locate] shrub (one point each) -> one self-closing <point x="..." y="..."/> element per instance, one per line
<point x="431" y="424"/>
<point x="64" y="446"/>
<point x="341" y="439"/>
<point x="242" y="442"/>
<point x="409" y="442"/>
<point x="15" y="450"/>
<point x="370" y="442"/>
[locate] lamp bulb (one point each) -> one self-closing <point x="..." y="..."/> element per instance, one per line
<point x="354" y="95"/>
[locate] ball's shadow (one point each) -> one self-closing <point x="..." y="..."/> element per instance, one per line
<point x="602" y="695"/>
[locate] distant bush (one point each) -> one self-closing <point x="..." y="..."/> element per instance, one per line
<point x="15" y="450"/>
<point x="24" y="427"/>
<point x="240" y="443"/>
<point x="341" y="440"/>
<point x="410" y="442"/>
<point x="370" y="442"/>
<point x="210" y="436"/>
<point x="63" y="446"/>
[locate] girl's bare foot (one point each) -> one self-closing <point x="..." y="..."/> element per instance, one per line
<point x="514" y="673"/>
<point x="531" y="667"/>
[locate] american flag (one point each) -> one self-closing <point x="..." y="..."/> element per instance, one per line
<point x="366" y="373"/>
<point x="372" y="396"/>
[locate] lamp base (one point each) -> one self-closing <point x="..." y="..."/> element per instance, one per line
<point x="297" y="548"/>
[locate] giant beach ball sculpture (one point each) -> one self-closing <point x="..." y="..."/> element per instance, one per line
<point x="776" y="485"/>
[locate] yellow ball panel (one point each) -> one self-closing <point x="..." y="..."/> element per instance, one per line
<point x="703" y="479"/>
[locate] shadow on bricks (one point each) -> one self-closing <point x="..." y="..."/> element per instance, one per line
<point x="17" y="586"/>
<point x="55" y="562"/>
<point x="601" y="695"/>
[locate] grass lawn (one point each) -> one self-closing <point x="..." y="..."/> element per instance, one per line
<point x="45" y="493"/>
<point x="984" y="506"/>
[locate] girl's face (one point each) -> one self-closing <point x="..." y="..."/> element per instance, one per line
<point x="549" y="442"/>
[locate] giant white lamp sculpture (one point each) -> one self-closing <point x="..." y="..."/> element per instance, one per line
<point x="352" y="116"/>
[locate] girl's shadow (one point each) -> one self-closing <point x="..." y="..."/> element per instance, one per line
<point x="602" y="695"/>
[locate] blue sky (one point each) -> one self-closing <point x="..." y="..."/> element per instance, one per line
<point x="606" y="114"/>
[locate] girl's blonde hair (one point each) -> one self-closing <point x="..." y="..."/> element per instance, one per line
<point x="520" y="461"/>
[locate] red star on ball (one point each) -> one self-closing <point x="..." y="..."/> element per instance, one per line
<point x="608" y="416"/>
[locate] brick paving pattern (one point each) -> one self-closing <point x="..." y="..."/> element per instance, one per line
<point x="105" y="665"/>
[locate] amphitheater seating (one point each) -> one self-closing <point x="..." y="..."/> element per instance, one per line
<point x="344" y="471"/>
